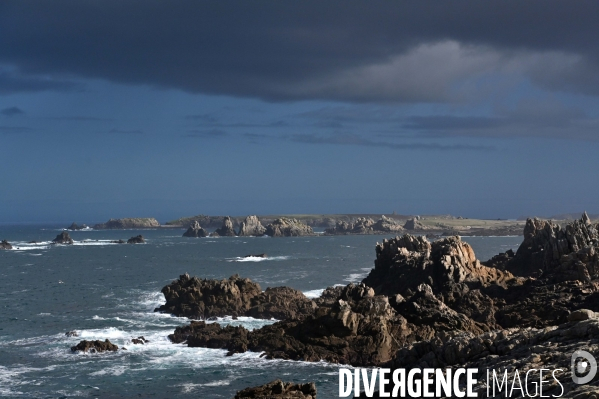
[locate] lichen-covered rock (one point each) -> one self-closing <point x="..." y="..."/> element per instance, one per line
<point x="63" y="238"/>
<point x="195" y="230"/>
<point x="202" y="299"/>
<point x="279" y="390"/>
<point x="286" y="227"/>
<point x="251" y="226"/>
<point x="95" y="346"/>
<point x="5" y="245"/>
<point x="226" y="229"/>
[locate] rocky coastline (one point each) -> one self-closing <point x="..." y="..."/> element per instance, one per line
<point x="128" y="223"/>
<point x="433" y="304"/>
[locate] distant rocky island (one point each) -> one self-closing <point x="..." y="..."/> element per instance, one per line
<point x="128" y="223"/>
<point x="251" y="226"/>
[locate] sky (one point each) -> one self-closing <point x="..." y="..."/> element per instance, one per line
<point x="168" y="109"/>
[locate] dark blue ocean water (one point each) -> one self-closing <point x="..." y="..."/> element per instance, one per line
<point x="105" y="290"/>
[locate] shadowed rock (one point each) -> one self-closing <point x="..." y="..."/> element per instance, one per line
<point x="5" y="245"/>
<point x="202" y="299"/>
<point x="63" y="238"/>
<point x="226" y="229"/>
<point x="195" y="230"/>
<point x="136" y="240"/>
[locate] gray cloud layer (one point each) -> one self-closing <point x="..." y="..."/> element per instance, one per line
<point x="334" y="50"/>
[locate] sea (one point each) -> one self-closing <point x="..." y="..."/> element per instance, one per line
<point x="109" y="291"/>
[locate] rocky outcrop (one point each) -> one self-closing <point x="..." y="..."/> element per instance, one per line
<point x="117" y="242"/>
<point x="403" y="263"/>
<point x="387" y="225"/>
<point x="226" y="229"/>
<point x="279" y="390"/>
<point x="286" y="227"/>
<point x="512" y="349"/>
<point x="74" y="226"/>
<point x="561" y="253"/>
<point x="5" y="245"/>
<point x="95" y="346"/>
<point x="129" y="223"/>
<point x="139" y="341"/>
<point x="360" y="226"/>
<point x="136" y="240"/>
<point x="416" y="224"/>
<point x="202" y="299"/>
<point x="63" y="238"/>
<point x="251" y="226"/>
<point x="364" y="225"/>
<point x="195" y="230"/>
<point x="359" y="328"/>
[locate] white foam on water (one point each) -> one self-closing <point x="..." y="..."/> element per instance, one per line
<point x="256" y="258"/>
<point x="355" y="277"/>
<point x="314" y="293"/>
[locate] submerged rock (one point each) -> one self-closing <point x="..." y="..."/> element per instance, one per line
<point x="195" y="230"/>
<point x="226" y="229"/>
<point x="63" y="238"/>
<point x="286" y="227"/>
<point x="251" y="226"/>
<point x="5" y="245"/>
<point x="95" y="346"/>
<point x="117" y="242"/>
<point x="236" y="296"/>
<point x="139" y="341"/>
<point x="279" y="390"/>
<point x="136" y="240"/>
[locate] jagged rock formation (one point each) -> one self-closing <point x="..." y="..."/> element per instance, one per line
<point x="226" y="229"/>
<point x="286" y="227"/>
<point x="387" y="225"/>
<point x="129" y="223"/>
<point x="359" y="329"/>
<point x="516" y="348"/>
<point x="403" y="263"/>
<point x="251" y="226"/>
<point x="415" y="224"/>
<point x="551" y="251"/>
<point x="75" y="226"/>
<point x="365" y="226"/>
<point x="202" y="299"/>
<point x="279" y="390"/>
<point x="139" y="341"/>
<point x="95" y="346"/>
<point x="63" y="238"/>
<point x="5" y="245"/>
<point x="195" y="230"/>
<point x="360" y="226"/>
<point x="136" y="240"/>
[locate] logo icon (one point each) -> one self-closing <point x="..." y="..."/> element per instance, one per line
<point x="583" y="363"/>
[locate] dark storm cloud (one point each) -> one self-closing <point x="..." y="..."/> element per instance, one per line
<point x="12" y="111"/>
<point x="15" y="83"/>
<point x="334" y="50"/>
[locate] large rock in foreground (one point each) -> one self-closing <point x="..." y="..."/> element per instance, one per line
<point x="63" y="238"/>
<point x="251" y="226"/>
<point x="5" y="245"/>
<point x="129" y="223"/>
<point x="195" y="230"/>
<point x="95" y="346"/>
<point x="286" y="227"/>
<point x="279" y="390"/>
<point x="202" y="299"/>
